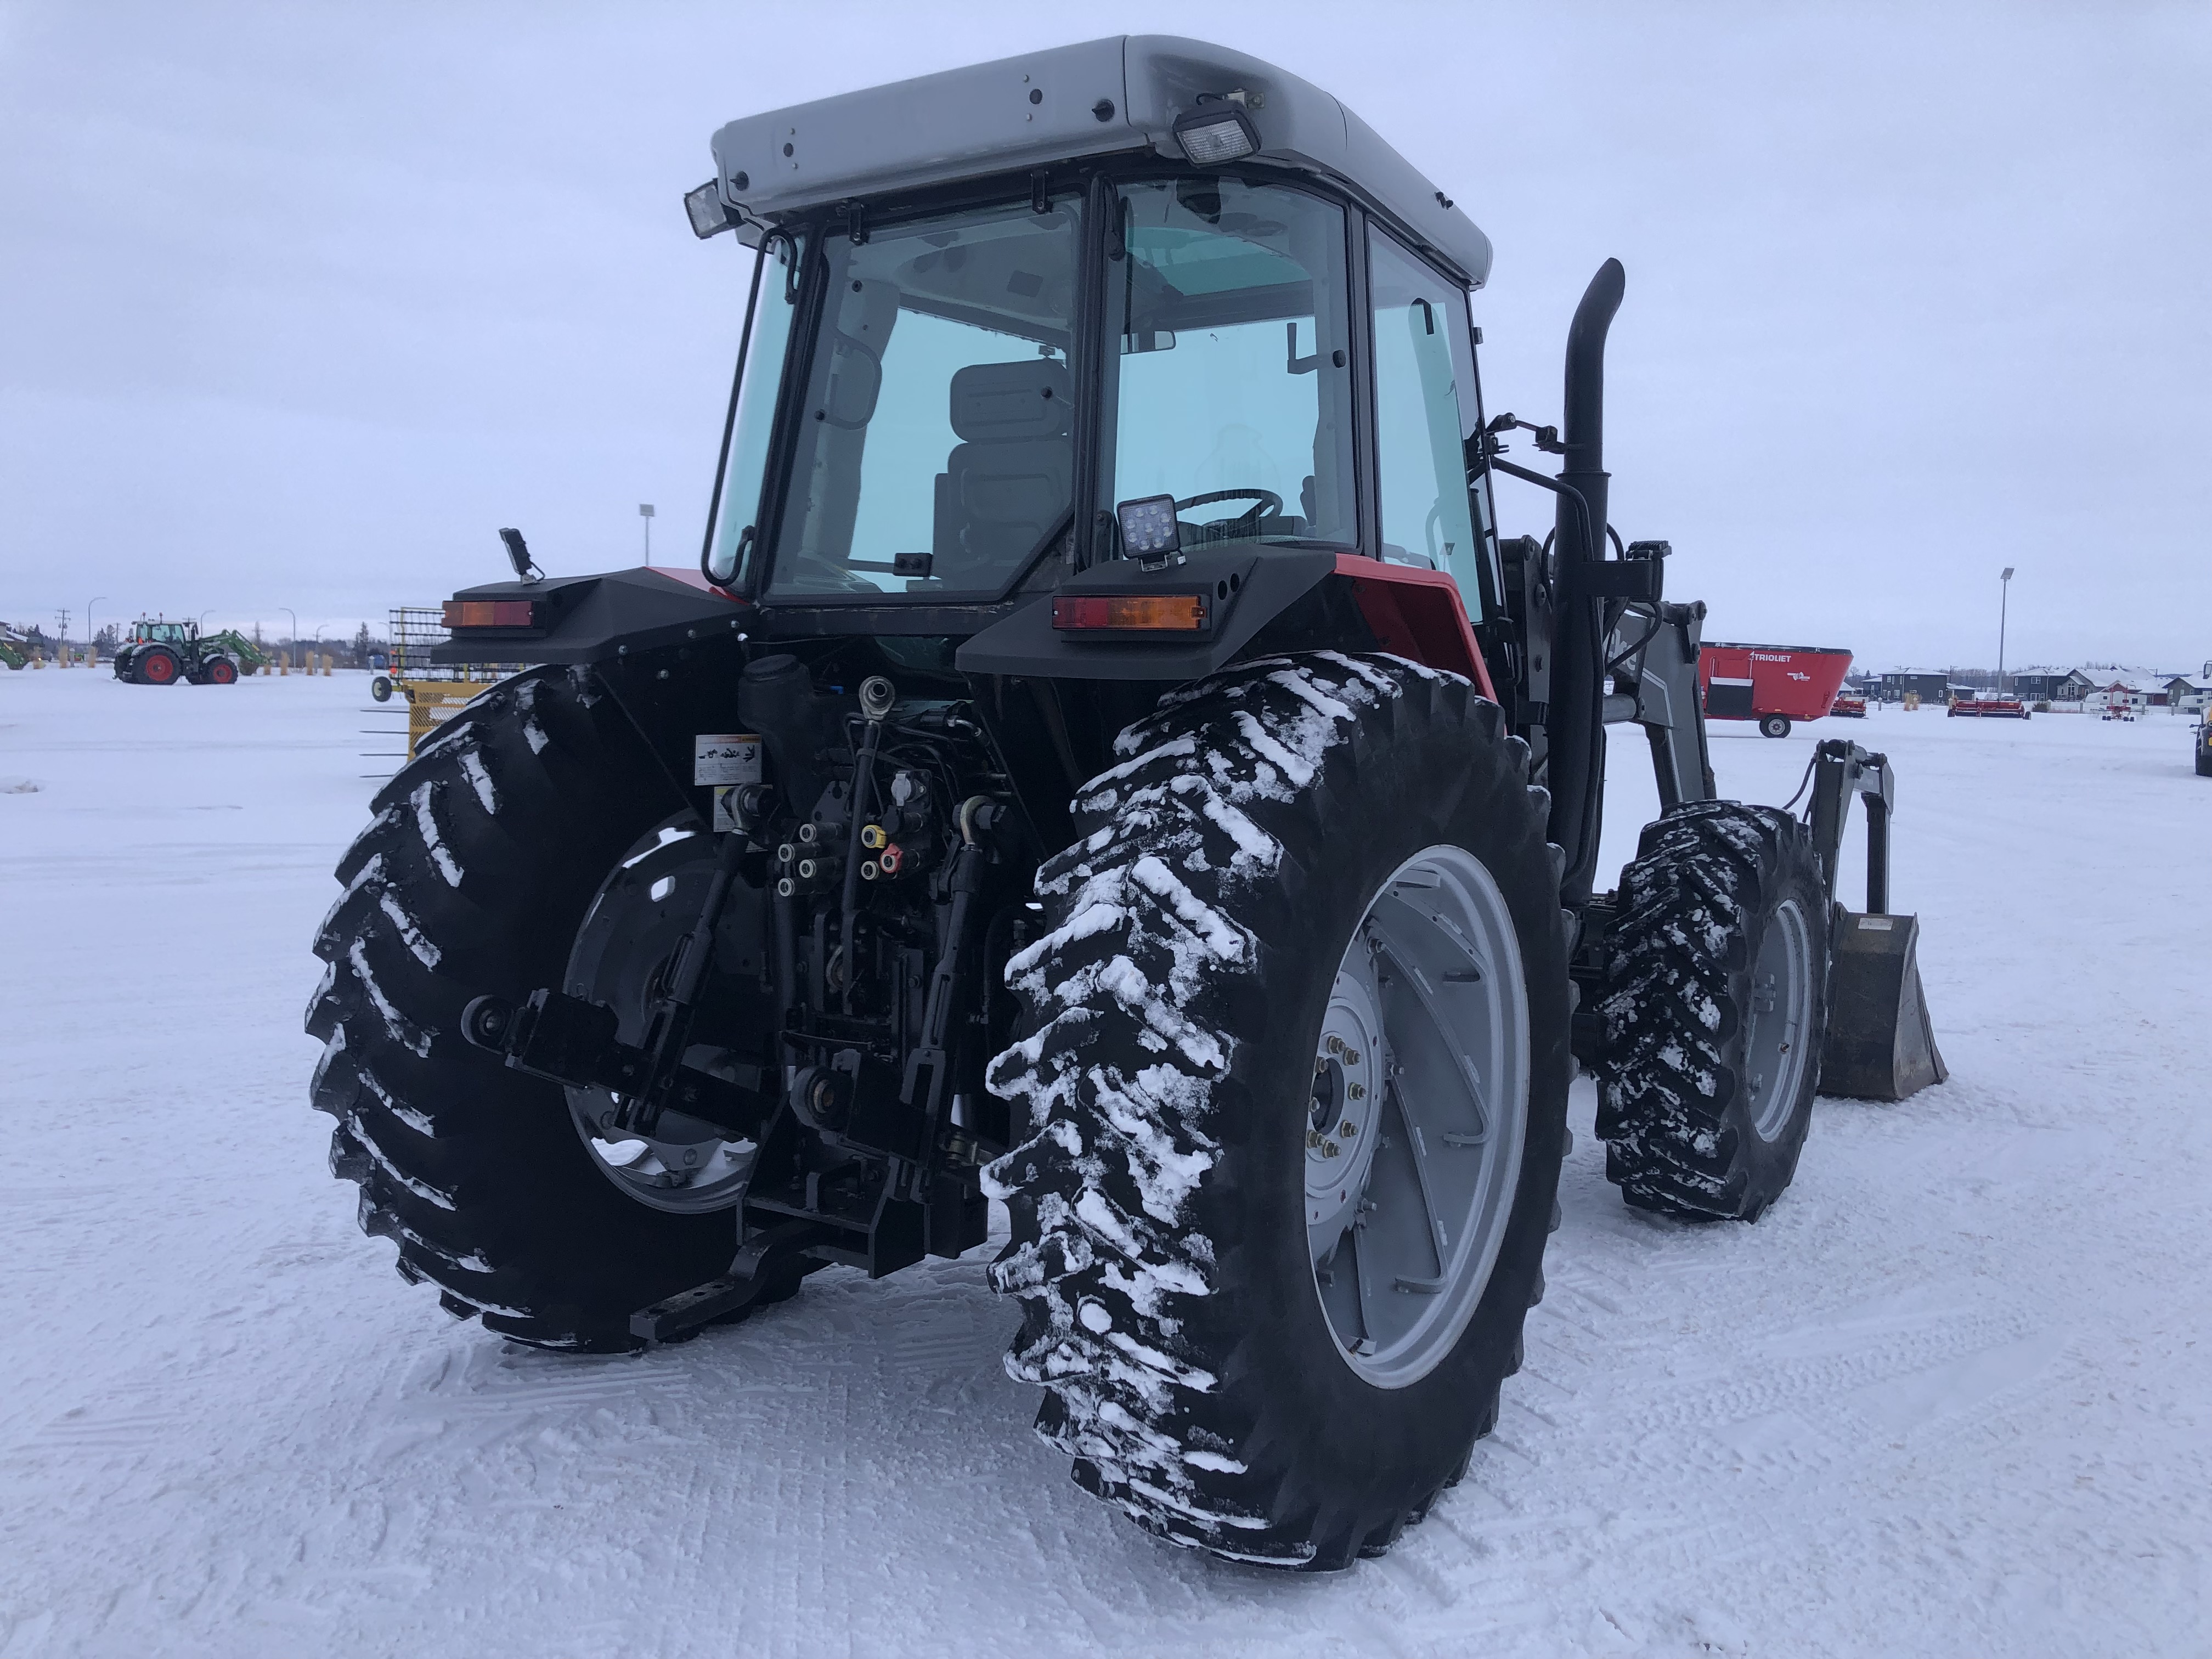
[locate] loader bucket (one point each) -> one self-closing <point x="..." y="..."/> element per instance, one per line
<point x="1880" y="1046"/>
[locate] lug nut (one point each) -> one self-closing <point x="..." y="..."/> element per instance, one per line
<point x="1330" y="1149"/>
<point x="1335" y="1045"/>
<point x="1347" y="1128"/>
<point x="1356" y="1091"/>
<point x="1352" y="1056"/>
<point x="1313" y="1138"/>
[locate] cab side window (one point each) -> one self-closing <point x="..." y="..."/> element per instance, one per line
<point x="1424" y="413"/>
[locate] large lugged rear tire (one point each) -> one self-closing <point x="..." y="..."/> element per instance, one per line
<point x="1715" y="1008"/>
<point x="1182" y="1061"/>
<point x="484" y="854"/>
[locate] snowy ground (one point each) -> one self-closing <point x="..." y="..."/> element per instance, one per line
<point x="1950" y="1397"/>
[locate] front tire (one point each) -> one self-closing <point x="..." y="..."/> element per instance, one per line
<point x="1167" y="1223"/>
<point x="1715" y="1010"/>
<point x="484" y="855"/>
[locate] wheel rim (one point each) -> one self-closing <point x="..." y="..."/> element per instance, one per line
<point x="160" y="669"/>
<point x="622" y="951"/>
<point x="1775" y="1048"/>
<point x="1418" y="1115"/>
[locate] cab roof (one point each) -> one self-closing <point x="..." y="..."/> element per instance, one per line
<point x="1100" y="98"/>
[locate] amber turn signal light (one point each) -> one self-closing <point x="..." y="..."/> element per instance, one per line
<point x="490" y="613"/>
<point x="1183" y="613"/>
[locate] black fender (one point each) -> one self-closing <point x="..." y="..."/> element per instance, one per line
<point x="573" y="619"/>
<point x="1414" y="612"/>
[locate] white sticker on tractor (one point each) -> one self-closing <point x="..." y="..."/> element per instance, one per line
<point x="726" y="810"/>
<point x="1876" y="924"/>
<point x="723" y="758"/>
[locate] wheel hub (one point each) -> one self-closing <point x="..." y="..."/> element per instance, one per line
<point x="1776" y="1051"/>
<point x="622" y="958"/>
<point x="1418" y="1110"/>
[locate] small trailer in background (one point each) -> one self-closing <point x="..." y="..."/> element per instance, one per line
<point x="1773" y="684"/>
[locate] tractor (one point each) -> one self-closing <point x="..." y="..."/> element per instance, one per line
<point x="161" y="653"/>
<point x="1109" y="764"/>
<point x="15" y="646"/>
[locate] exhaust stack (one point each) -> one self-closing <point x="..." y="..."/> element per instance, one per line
<point x="1577" y="723"/>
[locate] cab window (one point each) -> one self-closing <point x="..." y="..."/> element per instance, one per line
<point x="934" y="449"/>
<point x="1424" y="413"/>
<point x="1228" y="384"/>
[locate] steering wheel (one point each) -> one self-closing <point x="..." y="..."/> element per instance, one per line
<point x="1266" y="502"/>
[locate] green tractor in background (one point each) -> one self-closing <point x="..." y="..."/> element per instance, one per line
<point x="14" y="648"/>
<point x="161" y="653"/>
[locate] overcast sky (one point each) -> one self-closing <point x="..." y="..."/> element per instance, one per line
<point x="299" y="304"/>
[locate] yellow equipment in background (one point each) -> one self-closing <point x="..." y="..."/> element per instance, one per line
<point x="432" y="692"/>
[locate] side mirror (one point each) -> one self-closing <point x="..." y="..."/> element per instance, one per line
<point x="518" y="555"/>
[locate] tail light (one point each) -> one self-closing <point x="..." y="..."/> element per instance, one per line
<point x="1150" y="613"/>
<point x="491" y="613"/>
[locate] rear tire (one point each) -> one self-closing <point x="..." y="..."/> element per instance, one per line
<point x="158" y="667"/>
<point x="486" y="852"/>
<point x="1174" y="1011"/>
<point x="1774" y="726"/>
<point x="1715" y="1010"/>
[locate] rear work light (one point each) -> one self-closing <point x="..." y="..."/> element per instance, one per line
<point x="1214" y="137"/>
<point x="1152" y="613"/>
<point x="491" y="613"/>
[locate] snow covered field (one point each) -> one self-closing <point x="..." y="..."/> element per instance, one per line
<point x="1949" y="1397"/>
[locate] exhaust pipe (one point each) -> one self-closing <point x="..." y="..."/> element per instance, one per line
<point x="1577" y="723"/>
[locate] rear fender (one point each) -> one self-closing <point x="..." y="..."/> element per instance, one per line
<point x="574" y="619"/>
<point x="1412" y="613"/>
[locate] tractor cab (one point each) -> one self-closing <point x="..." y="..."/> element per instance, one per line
<point x="1118" y="303"/>
<point x="161" y="633"/>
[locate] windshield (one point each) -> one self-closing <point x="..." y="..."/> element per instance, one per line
<point x="1230" y="309"/>
<point x="934" y="451"/>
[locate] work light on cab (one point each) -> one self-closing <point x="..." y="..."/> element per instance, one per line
<point x="1214" y="136"/>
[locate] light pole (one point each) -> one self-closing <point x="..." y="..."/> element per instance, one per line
<point x="645" y="512"/>
<point x="2004" y="594"/>
<point x="295" y="616"/>
<point x="89" y="636"/>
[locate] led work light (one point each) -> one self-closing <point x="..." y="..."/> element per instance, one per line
<point x="1149" y="530"/>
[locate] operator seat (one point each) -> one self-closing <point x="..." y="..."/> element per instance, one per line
<point x="1009" y="480"/>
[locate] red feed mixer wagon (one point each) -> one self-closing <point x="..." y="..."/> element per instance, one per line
<point x="1773" y="684"/>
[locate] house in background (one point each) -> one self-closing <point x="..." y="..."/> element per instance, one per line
<point x="2188" y="694"/>
<point x="2038" y="684"/>
<point x="1934" y="687"/>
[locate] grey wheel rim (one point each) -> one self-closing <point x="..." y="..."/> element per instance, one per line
<point x="628" y="939"/>
<point x="1418" y="1116"/>
<point x="1775" y="1046"/>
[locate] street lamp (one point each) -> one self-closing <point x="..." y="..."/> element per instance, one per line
<point x="295" y="616"/>
<point x="89" y="637"/>
<point x="2004" y="593"/>
<point x="645" y="512"/>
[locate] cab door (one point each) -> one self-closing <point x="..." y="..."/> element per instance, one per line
<point x="1422" y="350"/>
